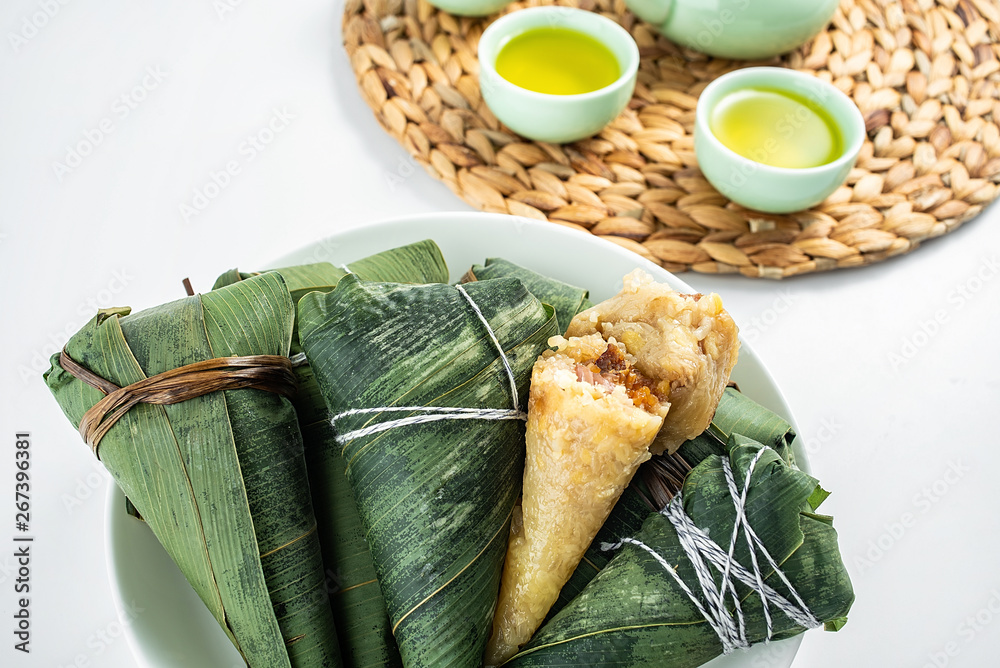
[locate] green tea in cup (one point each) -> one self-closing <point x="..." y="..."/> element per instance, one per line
<point x="776" y="140"/>
<point x="556" y="74"/>
<point x="777" y="128"/>
<point x="557" y="61"/>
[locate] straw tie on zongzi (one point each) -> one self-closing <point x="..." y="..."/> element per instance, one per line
<point x="272" y="373"/>
<point x="408" y="371"/>
<point x="219" y="478"/>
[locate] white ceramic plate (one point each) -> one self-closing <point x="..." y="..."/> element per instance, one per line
<point x="166" y="623"/>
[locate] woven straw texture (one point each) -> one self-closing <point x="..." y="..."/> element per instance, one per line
<point x="925" y="74"/>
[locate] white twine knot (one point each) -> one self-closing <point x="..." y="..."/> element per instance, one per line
<point x="437" y="413"/>
<point x="704" y="555"/>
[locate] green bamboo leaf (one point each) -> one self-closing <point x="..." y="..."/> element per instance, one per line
<point x="420" y="262"/>
<point x="435" y="499"/>
<point x="736" y="413"/>
<point x="739" y="414"/>
<point x="229" y="277"/>
<point x="220" y="479"/>
<point x="633" y="613"/>
<point x="362" y="621"/>
<point x="566" y="299"/>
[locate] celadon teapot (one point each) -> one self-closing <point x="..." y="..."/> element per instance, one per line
<point x="738" y="29"/>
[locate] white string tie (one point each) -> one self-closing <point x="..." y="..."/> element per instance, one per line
<point x="437" y="413"/>
<point x="704" y="555"/>
<point x="496" y="343"/>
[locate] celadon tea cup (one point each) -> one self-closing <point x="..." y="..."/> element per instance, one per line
<point x="764" y="187"/>
<point x="740" y="29"/>
<point x="549" y="117"/>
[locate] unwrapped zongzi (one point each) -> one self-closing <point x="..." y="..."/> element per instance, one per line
<point x="689" y="348"/>
<point x="591" y="419"/>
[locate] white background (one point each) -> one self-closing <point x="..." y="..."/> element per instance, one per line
<point x="898" y="412"/>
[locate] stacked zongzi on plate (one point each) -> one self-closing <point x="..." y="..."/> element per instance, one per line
<point x="396" y="510"/>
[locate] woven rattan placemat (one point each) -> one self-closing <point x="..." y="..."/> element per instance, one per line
<point x="925" y="74"/>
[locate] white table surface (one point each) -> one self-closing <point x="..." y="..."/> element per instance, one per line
<point x="896" y="409"/>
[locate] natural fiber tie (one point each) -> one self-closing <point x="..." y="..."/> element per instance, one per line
<point x="272" y="373"/>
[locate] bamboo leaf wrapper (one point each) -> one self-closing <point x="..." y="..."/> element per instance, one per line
<point x="362" y="621"/>
<point x="220" y="479"/>
<point x="435" y="499"/>
<point x="566" y="299"/>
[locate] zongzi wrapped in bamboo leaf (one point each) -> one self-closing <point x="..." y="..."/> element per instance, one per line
<point x="396" y="365"/>
<point x="219" y="478"/>
<point x="636" y="612"/>
<point x="359" y="610"/>
<point x="690" y="347"/>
